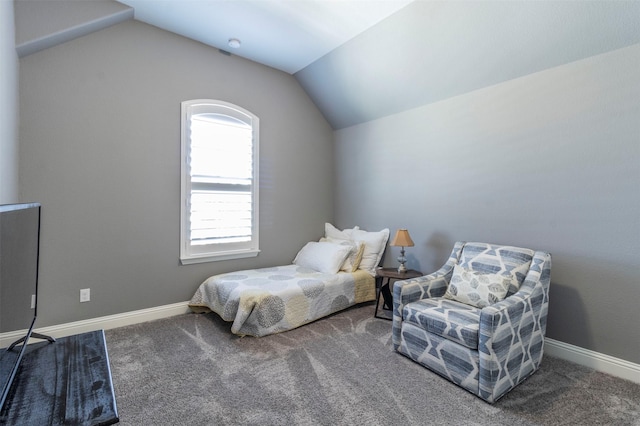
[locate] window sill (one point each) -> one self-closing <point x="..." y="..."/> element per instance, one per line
<point x="215" y="257"/>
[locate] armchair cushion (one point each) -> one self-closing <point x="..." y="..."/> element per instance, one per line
<point x="478" y="289"/>
<point x="452" y="320"/>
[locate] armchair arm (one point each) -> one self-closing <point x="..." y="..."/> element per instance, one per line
<point x="512" y="332"/>
<point x="412" y="290"/>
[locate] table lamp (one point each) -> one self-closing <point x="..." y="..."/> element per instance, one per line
<point x="402" y="239"/>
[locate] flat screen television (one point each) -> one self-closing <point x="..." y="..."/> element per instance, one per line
<point x="19" y="258"/>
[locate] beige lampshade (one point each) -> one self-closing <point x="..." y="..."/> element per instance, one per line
<point x="402" y="239"/>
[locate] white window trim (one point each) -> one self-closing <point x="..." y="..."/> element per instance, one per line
<point x="187" y="255"/>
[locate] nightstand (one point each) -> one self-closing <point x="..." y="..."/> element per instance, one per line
<point x="383" y="285"/>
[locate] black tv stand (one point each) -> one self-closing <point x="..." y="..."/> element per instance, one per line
<point x="34" y="335"/>
<point x="68" y="383"/>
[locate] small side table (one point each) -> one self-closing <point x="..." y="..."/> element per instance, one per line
<point x="383" y="285"/>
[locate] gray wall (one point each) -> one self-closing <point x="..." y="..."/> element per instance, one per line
<point x="41" y="24"/>
<point x="549" y="161"/>
<point x="100" y="149"/>
<point x="8" y="107"/>
<point x="41" y="20"/>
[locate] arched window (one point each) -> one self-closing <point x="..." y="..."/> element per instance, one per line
<point x="219" y="213"/>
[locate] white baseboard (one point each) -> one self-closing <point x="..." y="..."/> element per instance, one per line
<point x="600" y="362"/>
<point x="101" y="323"/>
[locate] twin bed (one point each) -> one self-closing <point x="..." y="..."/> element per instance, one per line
<point x="326" y="277"/>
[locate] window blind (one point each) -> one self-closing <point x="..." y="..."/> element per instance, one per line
<point x="221" y="169"/>
<point x="219" y="213"/>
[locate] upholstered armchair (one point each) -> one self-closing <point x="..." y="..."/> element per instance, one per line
<point x="480" y="320"/>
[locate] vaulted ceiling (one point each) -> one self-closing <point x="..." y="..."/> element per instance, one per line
<point x="283" y="34"/>
<point x="360" y="60"/>
<point x="430" y="51"/>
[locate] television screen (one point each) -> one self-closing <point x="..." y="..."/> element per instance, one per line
<point x="19" y="251"/>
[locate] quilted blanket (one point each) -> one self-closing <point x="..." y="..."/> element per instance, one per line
<point x="271" y="300"/>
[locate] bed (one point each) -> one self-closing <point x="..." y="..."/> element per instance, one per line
<point x="325" y="277"/>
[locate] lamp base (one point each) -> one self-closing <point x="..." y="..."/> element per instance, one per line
<point x="402" y="261"/>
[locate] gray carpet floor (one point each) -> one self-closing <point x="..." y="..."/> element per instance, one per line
<point x="339" y="370"/>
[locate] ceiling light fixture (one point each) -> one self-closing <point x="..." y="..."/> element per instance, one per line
<point x="234" y="43"/>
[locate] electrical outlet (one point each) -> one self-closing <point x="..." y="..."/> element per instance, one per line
<point x="33" y="301"/>
<point x="85" y="295"/>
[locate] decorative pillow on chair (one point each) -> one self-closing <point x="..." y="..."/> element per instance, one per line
<point x="477" y="289"/>
<point x="323" y="256"/>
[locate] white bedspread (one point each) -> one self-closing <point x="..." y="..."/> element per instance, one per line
<point x="271" y="300"/>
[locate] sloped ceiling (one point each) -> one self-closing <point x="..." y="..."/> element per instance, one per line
<point x="430" y="51"/>
<point x="284" y="34"/>
<point x="360" y="60"/>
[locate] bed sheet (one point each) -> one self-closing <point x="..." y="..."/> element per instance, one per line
<point x="271" y="300"/>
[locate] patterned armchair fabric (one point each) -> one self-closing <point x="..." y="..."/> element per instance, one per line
<point x="486" y="351"/>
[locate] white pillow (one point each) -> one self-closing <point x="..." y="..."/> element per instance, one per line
<point x="331" y="231"/>
<point x="477" y="289"/>
<point x="352" y="262"/>
<point x="322" y="256"/>
<point x="374" y="245"/>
